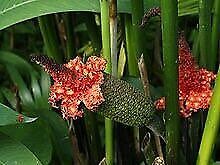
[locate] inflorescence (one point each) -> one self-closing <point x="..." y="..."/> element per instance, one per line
<point x="74" y="83"/>
<point x="195" y="88"/>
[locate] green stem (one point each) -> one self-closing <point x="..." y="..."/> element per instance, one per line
<point x="195" y="48"/>
<point x="104" y="4"/>
<point x="132" y="60"/>
<point x="215" y="36"/>
<point x="49" y="34"/>
<point x="170" y="55"/>
<point x="69" y="29"/>
<point x="132" y="67"/>
<point x="211" y="126"/>
<point x="204" y="30"/>
<point x="109" y="138"/>
<point x="137" y="11"/>
<point x="113" y="32"/>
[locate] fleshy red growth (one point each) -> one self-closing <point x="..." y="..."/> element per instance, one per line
<point x="195" y="89"/>
<point x="20" y="118"/>
<point x="75" y="83"/>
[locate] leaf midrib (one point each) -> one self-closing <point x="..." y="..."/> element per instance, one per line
<point x="16" y="6"/>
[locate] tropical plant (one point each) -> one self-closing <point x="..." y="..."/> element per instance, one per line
<point x="153" y="52"/>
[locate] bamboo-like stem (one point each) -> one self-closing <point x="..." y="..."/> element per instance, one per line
<point x="69" y="30"/>
<point x="211" y="126"/>
<point x="113" y="32"/>
<point x="137" y="12"/>
<point x="215" y="36"/>
<point x="204" y="30"/>
<point x="109" y="137"/>
<point x="105" y="28"/>
<point x="132" y="60"/>
<point x="170" y="55"/>
<point x="132" y="66"/>
<point x="49" y="34"/>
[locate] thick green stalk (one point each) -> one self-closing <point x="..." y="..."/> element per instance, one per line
<point x="204" y="30"/>
<point x="49" y="34"/>
<point x="132" y="67"/>
<point x="170" y="55"/>
<point x="211" y="127"/>
<point x="104" y="4"/>
<point x="132" y="59"/>
<point x="113" y="32"/>
<point x="137" y="11"/>
<point x="109" y="140"/>
<point x="215" y="36"/>
<point x="69" y="29"/>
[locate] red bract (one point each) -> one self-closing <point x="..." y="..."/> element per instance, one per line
<point x="195" y="89"/>
<point x="75" y="83"/>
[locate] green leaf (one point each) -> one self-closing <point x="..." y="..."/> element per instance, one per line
<point x="14" y="11"/>
<point x="9" y="116"/>
<point x="59" y="134"/>
<point x="35" y="88"/>
<point x="24" y="93"/>
<point x="45" y="84"/>
<point x="13" y="152"/>
<point x="10" y="96"/>
<point x="8" y="58"/>
<point x="34" y="136"/>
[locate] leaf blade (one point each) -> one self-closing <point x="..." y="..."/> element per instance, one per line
<point x="9" y="116"/>
<point x="11" y="152"/>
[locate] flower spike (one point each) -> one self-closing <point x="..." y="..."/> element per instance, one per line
<point x="195" y="88"/>
<point x="74" y="83"/>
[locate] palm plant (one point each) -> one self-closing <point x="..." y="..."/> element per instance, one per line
<point x="127" y="128"/>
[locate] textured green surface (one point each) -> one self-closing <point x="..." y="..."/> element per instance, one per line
<point x="124" y="104"/>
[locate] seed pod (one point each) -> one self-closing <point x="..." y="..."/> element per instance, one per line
<point x="124" y="104"/>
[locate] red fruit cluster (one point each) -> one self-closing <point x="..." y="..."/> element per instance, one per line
<point x="75" y="83"/>
<point x="195" y="88"/>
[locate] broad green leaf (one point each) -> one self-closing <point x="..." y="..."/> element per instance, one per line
<point x="10" y="96"/>
<point x="34" y="136"/>
<point x="14" y="11"/>
<point x="13" y="152"/>
<point x="8" y="58"/>
<point x="9" y="116"/>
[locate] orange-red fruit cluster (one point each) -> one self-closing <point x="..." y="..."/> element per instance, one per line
<point x="75" y="83"/>
<point x="195" y="88"/>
